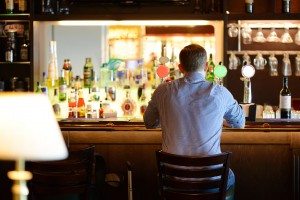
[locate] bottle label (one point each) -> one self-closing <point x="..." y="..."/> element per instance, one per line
<point x="24" y="54"/>
<point x="87" y="75"/>
<point x="63" y="90"/>
<point x="9" y="5"/>
<point x="22" y="5"/>
<point x="285" y="102"/>
<point x="9" y="56"/>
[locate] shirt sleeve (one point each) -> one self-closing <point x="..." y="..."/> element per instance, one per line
<point x="234" y="114"/>
<point x="151" y="115"/>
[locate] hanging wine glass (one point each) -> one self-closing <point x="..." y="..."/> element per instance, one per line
<point x="297" y="37"/>
<point x="259" y="37"/>
<point x="246" y="59"/>
<point x="259" y="61"/>
<point x="234" y="61"/>
<point x="286" y="37"/>
<point x="246" y="34"/>
<point x="297" y="65"/>
<point x="272" y="37"/>
<point x="273" y="63"/>
<point x="286" y="67"/>
<point x="233" y="30"/>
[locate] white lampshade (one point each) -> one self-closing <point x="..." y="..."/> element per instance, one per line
<point x="29" y="129"/>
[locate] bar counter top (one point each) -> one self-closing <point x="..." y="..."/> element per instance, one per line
<point x="132" y="124"/>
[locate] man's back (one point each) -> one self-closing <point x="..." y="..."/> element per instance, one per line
<point x="191" y="112"/>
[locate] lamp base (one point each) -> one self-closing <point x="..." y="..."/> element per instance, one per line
<point x="20" y="176"/>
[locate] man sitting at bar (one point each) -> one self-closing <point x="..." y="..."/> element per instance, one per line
<point x="191" y="110"/>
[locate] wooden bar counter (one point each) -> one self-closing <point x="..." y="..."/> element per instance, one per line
<point x="265" y="156"/>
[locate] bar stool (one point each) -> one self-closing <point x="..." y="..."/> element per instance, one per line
<point x="191" y="177"/>
<point x="66" y="177"/>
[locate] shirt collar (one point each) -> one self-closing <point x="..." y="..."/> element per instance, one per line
<point x="194" y="77"/>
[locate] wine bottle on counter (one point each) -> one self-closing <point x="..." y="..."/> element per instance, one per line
<point x="285" y="100"/>
<point x="286" y="6"/>
<point x="249" y="6"/>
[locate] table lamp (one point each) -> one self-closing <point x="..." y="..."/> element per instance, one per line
<point x="28" y="131"/>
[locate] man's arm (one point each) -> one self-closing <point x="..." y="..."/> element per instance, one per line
<point x="151" y="116"/>
<point x="234" y="114"/>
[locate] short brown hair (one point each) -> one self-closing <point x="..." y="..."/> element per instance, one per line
<point x="193" y="57"/>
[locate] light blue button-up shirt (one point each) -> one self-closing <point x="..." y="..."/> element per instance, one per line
<point x="190" y="112"/>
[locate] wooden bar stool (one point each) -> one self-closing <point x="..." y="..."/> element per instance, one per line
<point x="191" y="177"/>
<point x="72" y="176"/>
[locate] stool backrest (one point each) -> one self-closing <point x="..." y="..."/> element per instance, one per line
<point x="70" y="176"/>
<point x="193" y="177"/>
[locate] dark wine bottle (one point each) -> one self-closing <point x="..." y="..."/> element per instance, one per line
<point x="286" y="6"/>
<point x="285" y="100"/>
<point x="249" y="6"/>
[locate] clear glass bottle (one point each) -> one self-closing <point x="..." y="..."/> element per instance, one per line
<point x="52" y="65"/>
<point x="88" y="70"/>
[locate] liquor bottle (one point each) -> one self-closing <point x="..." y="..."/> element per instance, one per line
<point x="48" y="8"/>
<point x="16" y="6"/>
<point x="88" y="72"/>
<point x="210" y="69"/>
<point x="38" y="88"/>
<point x="62" y="88"/>
<point x="22" y="6"/>
<point x="101" y="111"/>
<point x="52" y="65"/>
<point x="128" y="106"/>
<point x="67" y="67"/>
<point x="285" y="100"/>
<point x="24" y="50"/>
<point x="44" y="87"/>
<point x="249" y="6"/>
<point x="80" y="105"/>
<point x="9" y="53"/>
<point x="286" y="6"/>
<point x="64" y="7"/>
<point x="55" y="103"/>
<point x="9" y="4"/>
<point x="95" y="90"/>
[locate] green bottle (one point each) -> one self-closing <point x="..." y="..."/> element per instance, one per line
<point x="88" y="73"/>
<point x="210" y="76"/>
<point x="62" y="88"/>
<point x="38" y="88"/>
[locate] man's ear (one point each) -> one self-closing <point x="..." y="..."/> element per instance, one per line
<point x="181" y="69"/>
